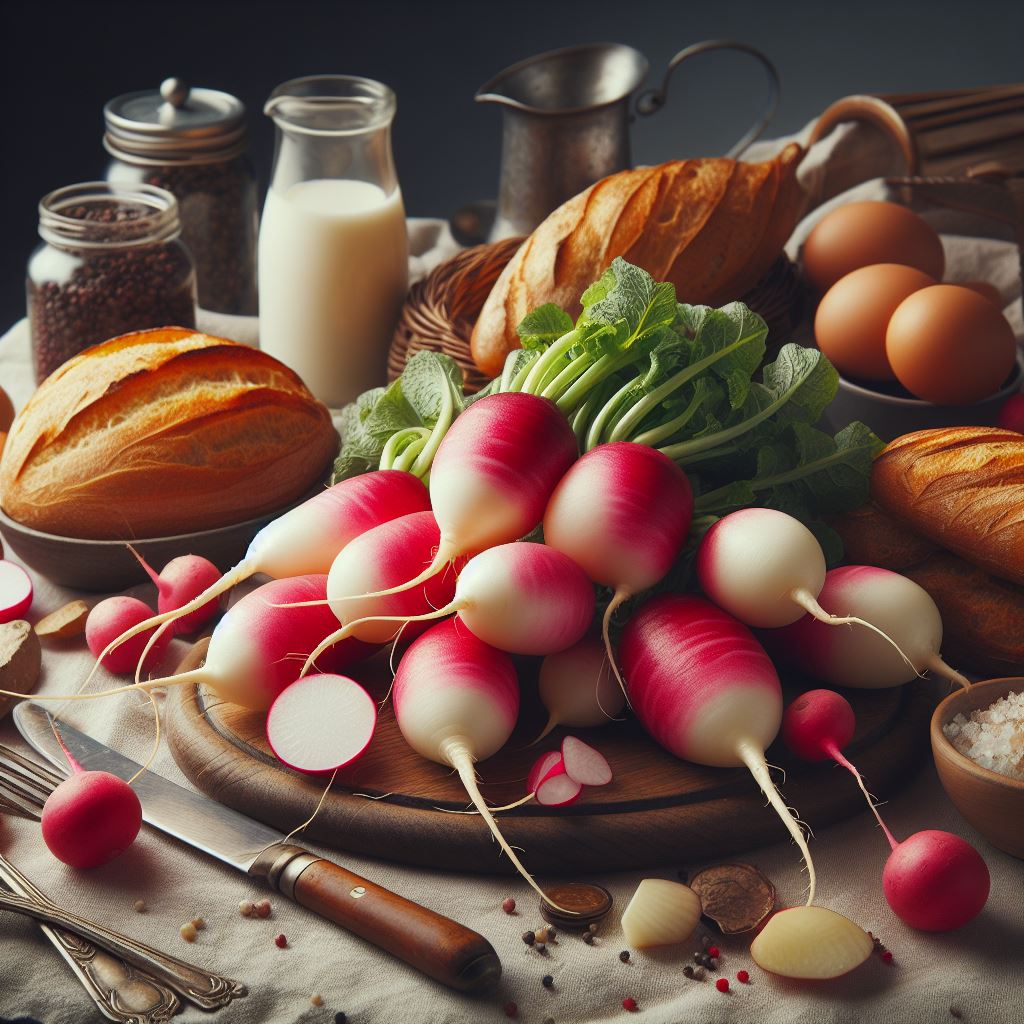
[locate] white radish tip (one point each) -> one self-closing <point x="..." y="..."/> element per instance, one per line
<point x="584" y="764"/>
<point x="558" y="790"/>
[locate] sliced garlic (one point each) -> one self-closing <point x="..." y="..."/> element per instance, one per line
<point x="810" y="942"/>
<point x="660" y="913"/>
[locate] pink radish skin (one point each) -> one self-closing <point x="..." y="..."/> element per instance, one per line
<point x="306" y="540"/>
<point x="321" y="723"/>
<point x="541" y="767"/>
<point x="493" y="474"/>
<point x="456" y="701"/>
<point x="584" y="764"/>
<point x="522" y="598"/>
<point x="90" y="818"/>
<point x="817" y="724"/>
<point x="182" y="579"/>
<point x="704" y="688"/>
<point x="111" y="618"/>
<point x="851" y="657"/>
<point x="622" y="512"/>
<point x="558" y="788"/>
<point x="15" y="591"/>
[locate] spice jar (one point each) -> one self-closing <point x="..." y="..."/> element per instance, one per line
<point x="192" y="142"/>
<point x="111" y="262"/>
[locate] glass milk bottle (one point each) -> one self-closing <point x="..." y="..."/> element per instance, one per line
<point x="333" y="251"/>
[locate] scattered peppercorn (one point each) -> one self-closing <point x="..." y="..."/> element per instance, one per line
<point x="743" y="977"/>
<point x="722" y="984"/>
<point x="341" y="1017"/>
<point x="713" y="951"/>
<point x="508" y="905"/>
<point x="529" y="938"/>
<point x="540" y="947"/>
<point x="316" y="999"/>
<point x="280" y="941"/>
<point x="624" y="956"/>
<point x="592" y="927"/>
<point x="588" y="938"/>
<point x="699" y="973"/>
<point x="549" y="1020"/>
<point x="629" y="1003"/>
<point x="139" y="906"/>
<point x="712" y="964"/>
<point x="188" y="932"/>
<point x="698" y="957"/>
<point x="511" y="1010"/>
<point x="262" y="908"/>
<point x="887" y="957"/>
<point x="547" y="981"/>
<point x="688" y="970"/>
<point x="198" y="923"/>
<point x="551" y="933"/>
<point x="246" y="908"/>
<point x="956" y="1013"/>
<point x="541" y="934"/>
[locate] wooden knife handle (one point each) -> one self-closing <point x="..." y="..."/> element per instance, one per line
<point x="436" y="945"/>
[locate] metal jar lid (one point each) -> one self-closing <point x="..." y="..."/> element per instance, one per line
<point x="176" y="124"/>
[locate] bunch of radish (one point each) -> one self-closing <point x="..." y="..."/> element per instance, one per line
<point x="559" y="777"/>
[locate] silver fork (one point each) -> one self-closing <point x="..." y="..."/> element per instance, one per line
<point x="24" y="786"/>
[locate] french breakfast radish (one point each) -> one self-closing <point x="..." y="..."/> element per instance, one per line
<point x="622" y="512"/>
<point x="934" y="881"/>
<point x="493" y="474"/>
<point x="577" y="688"/>
<point x="522" y="598"/>
<point x="456" y="701"/>
<point x="306" y="539"/>
<point x="182" y="579"/>
<point x="897" y="605"/>
<point x="111" y="618"/>
<point x="705" y="690"/>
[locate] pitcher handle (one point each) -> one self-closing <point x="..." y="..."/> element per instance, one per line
<point x="652" y="100"/>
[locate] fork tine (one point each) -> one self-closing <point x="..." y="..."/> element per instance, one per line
<point x="12" y="802"/>
<point x="21" y="780"/>
<point x="41" y="771"/>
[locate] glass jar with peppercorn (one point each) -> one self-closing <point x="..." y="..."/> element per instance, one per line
<point x="192" y="142"/>
<point x="111" y="262"/>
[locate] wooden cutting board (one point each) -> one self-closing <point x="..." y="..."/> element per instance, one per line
<point x="658" y="810"/>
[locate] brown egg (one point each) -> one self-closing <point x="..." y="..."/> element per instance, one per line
<point x="853" y="316"/>
<point x="990" y="291"/>
<point x="860" y="234"/>
<point x="948" y="345"/>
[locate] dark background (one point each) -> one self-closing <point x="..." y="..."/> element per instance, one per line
<point x="61" y="62"/>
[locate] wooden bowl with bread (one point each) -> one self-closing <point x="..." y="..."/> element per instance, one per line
<point x="172" y="440"/>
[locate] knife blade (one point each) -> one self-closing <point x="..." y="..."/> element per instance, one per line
<point x="436" y="945"/>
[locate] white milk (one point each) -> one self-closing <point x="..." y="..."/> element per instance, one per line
<point x="333" y="271"/>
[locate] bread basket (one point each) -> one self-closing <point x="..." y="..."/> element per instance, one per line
<point x="440" y="310"/>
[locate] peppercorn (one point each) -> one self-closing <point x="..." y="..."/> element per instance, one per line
<point x="316" y="999"/>
<point x="341" y="1017"/>
<point x="588" y="938"/>
<point x="280" y="941"/>
<point x="529" y="938"/>
<point x="629" y="1003"/>
<point x="698" y="957"/>
<point x="592" y="927"/>
<point x="198" y="923"/>
<point x="712" y="963"/>
<point x="722" y="984"/>
<point x="551" y="933"/>
<point x="688" y="970"/>
<point x="246" y="908"/>
<point x="511" y="1010"/>
<point x="547" y="981"/>
<point x="624" y="956"/>
<point x="541" y="934"/>
<point x="139" y="906"/>
<point x="540" y="947"/>
<point x="713" y="952"/>
<point x="699" y="973"/>
<point x="887" y="957"/>
<point x="262" y="908"/>
<point x="742" y="976"/>
<point x="508" y="905"/>
<point x="188" y="932"/>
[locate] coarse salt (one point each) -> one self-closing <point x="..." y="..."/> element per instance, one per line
<point x="992" y="737"/>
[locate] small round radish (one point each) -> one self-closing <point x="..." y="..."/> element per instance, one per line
<point x="584" y="764"/>
<point x="558" y="788"/>
<point x="1011" y="415"/>
<point x="541" y="768"/>
<point x="15" y="591"/>
<point x="321" y="723"/>
<point x="90" y="818"/>
<point x="110" y="619"/>
<point x="622" y="512"/>
<point x="817" y="724"/>
<point x="849" y="657"/>
<point x="182" y="579"/>
<point x="935" y="881"/>
<point x="577" y="688"/>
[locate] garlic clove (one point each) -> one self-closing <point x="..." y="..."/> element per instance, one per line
<point x="812" y="943"/>
<point x="660" y="913"/>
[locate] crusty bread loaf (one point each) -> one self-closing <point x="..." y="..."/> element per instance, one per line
<point x="962" y="487"/>
<point x="711" y="227"/>
<point x="163" y="432"/>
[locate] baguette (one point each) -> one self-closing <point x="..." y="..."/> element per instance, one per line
<point x="163" y="432"/>
<point x="712" y="227"/>
<point x="961" y="487"/>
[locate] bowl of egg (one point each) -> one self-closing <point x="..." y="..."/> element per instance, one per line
<point x="912" y="352"/>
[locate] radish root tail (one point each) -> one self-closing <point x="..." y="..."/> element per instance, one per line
<point x="940" y="668"/>
<point x="837" y="755"/>
<point x="620" y="596"/>
<point x="445" y="554"/>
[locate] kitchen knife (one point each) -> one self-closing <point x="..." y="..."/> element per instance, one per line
<point x="436" y="945"/>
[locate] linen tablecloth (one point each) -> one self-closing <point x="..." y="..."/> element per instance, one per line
<point x="974" y="974"/>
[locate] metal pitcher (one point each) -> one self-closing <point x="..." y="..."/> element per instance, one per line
<point x="566" y="122"/>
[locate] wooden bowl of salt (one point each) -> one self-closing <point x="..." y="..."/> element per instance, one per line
<point x="991" y="801"/>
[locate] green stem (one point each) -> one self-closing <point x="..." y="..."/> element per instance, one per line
<point x="398" y="443"/>
<point x="407" y="459"/>
<point x="581" y="418"/>
<point x="426" y="456"/>
<point x="597" y="428"/>
<point x="599" y="372"/>
<point x="653" y="437"/>
<point x="541" y="369"/>
<point x="567" y="376"/>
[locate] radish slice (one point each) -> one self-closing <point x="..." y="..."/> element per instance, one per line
<point x="583" y="764"/>
<point x="541" y="769"/>
<point x="15" y="591"/>
<point x="321" y="723"/>
<point x="558" y="790"/>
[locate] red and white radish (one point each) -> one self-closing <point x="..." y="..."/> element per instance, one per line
<point x="306" y="539"/>
<point x="705" y="689"/>
<point x="622" y="512"/>
<point x="15" y="591"/>
<point x="541" y="767"/>
<point x="898" y="606"/>
<point x="110" y="618"/>
<point x="493" y="474"/>
<point x="182" y="579"/>
<point x="584" y="764"/>
<point x="558" y="788"/>
<point x="766" y="568"/>
<point x="522" y="598"/>
<point x="933" y="880"/>
<point x="321" y="723"/>
<point x="456" y="701"/>
<point x="577" y="688"/>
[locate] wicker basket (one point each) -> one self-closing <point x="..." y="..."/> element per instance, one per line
<point x="440" y="310"/>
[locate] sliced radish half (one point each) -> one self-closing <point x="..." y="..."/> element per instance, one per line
<point x="541" y="769"/>
<point x="558" y="790"/>
<point x="15" y="591"/>
<point x="583" y="764"/>
<point x="320" y="723"/>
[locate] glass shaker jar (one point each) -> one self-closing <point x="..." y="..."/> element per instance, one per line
<point x="192" y="142"/>
<point x="333" y="251"/>
<point x="111" y="262"/>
